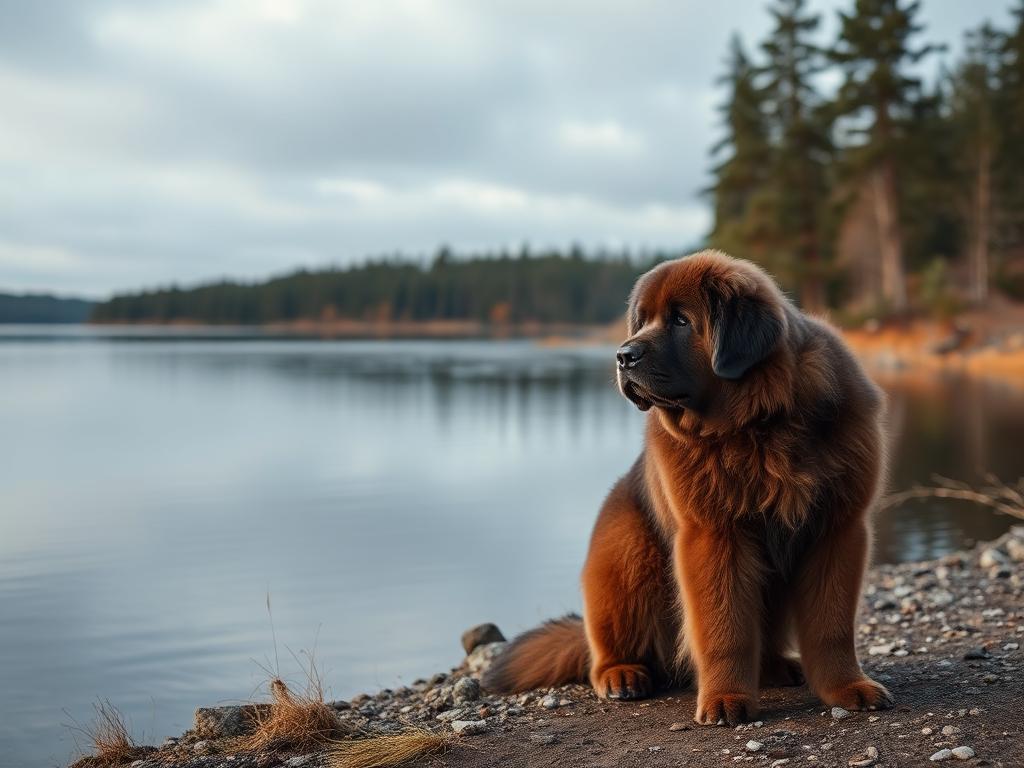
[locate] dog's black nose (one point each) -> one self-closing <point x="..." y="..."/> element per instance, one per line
<point x="629" y="354"/>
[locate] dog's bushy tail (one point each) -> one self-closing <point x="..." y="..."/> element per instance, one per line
<point x="554" y="653"/>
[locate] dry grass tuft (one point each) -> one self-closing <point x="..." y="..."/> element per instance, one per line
<point x="297" y="721"/>
<point x="109" y="740"/>
<point x="388" y="751"/>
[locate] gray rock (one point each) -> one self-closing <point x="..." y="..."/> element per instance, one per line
<point x="838" y="713"/>
<point x="963" y="753"/>
<point x="950" y="730"/>
<point x="466" y="690"/>
<point x="469" y="727"/>
<point x="942" y="754"/>
<point x="543" y="739"/>
<point x="481" y="634"/>
<point x="882" y="649"/>
<point x="480" y="659"/>
<point x="550" y="702"/>
<point x="679" y="727"/>
<point x="754" y="746"/>
<point x="221" y="722"/>
<point x="453" y="714"/>
<point x="299" y="761"/>
<point x="975" y="654"/>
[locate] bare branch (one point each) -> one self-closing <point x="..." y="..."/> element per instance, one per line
<point x="997" y="495"/>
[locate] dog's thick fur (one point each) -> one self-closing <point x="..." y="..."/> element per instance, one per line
<point x="740" y="534"/>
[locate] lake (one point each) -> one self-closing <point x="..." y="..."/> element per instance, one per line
<point x="156" y="487"/>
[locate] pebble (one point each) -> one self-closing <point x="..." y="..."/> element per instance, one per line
<point x="780" y="762"/>
<point x="838" y="713"/>
<point x="467" y="689"/>
<point x="942" y="754"/>
<point x="550" y="702"/>
<point x="950" y="730"/>
<point x="963" y="753"/>
<point x="869" y="759"/>
<point x="469" y="727"/>
<point x="975" y="654"/>
<point x="679" y="727"/>
<point x="1011" y="646"/>
<point x="927" y="731"/>
<point x="882" y="649"/>
<point x="297" y="762"/>
<point x="754" y="746"/>
<point x="543" y="739"/>
<point x="991" y="557"/>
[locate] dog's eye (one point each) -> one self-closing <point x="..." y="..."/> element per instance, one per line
<point x="679" y="318"/>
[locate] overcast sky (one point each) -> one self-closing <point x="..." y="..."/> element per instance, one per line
<point x="143" y="143"/>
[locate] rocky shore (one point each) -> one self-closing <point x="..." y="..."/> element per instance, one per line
<point x="945" y="636"/>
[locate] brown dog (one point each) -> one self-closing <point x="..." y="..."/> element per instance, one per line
<point x="743" y="526"/>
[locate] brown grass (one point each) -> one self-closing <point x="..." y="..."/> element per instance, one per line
<point x="299" y="721"/>
<point x="388" y="751"/>
<point x="109" y="739"/>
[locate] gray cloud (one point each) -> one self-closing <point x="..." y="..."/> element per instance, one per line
<point x="181" y="141"/>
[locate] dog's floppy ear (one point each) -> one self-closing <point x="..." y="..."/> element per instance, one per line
<point x="745" y="330"/>
<point x="632" y="310"/>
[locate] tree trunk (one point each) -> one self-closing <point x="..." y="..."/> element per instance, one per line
<point x="980" y="235"/>
<point x="812" y="292"/>
<point x="887" y="220"/>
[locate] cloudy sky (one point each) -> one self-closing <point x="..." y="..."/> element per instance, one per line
<point x="143" y="143"/>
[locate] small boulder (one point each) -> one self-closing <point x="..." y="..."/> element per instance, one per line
<point x="963" y="753"/>
<point x="222" y="722"/>
<point x="481" y="634"/>
<point x="480" y="659"/>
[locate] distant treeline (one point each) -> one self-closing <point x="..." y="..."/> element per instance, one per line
<point x="858" y="184"/>
<point x="549" y="287"/>
<point x="39" y="308"/>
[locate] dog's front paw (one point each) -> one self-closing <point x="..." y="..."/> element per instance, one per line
<point x="725" y="708"/>
<point x="623" y="682"/>
<point x="860" y="694"/>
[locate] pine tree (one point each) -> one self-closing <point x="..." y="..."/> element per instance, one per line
<point x="876" y="100"/>
<point x="1009" y="165"/>
<point x="801" y="147"/>
<point x="976" y="130"/>
<point x="742" y="173"/>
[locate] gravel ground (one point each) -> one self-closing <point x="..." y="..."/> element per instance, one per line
<point x="945" y="637"/>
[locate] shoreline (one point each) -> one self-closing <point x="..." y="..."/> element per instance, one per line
<point x="944" y="635"/>
<point x="977" y="345"/>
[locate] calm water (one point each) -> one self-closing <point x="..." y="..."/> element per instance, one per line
<point x="386" y="495"/>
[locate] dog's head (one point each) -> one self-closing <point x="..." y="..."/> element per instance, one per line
<point x="698" y="325"/>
